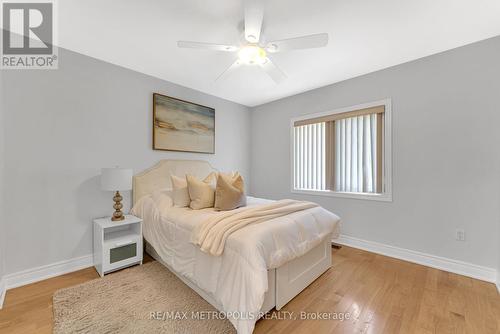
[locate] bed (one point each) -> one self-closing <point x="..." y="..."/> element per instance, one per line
<point x="263" y="266"/>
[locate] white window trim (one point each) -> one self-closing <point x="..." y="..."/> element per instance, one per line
<point x="386" y="196"/>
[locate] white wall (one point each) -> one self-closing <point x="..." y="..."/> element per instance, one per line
<point x="62" y="126"/>
<point x="446" y="171"/>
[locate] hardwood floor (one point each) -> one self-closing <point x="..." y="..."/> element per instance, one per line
<point x="381" y="295"/>
<point x="386" y="295"/>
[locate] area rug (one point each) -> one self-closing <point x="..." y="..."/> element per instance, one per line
<point x="142" y="299"/>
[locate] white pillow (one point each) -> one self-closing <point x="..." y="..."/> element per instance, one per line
<point x="202" y="193"/>
<point x="180" y="191"/>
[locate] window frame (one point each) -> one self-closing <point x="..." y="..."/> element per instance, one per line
<point x="385" y="196"/>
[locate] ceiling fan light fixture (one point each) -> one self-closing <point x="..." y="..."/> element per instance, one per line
<point x="252" y="54"/>
<point x="253" y="51"/>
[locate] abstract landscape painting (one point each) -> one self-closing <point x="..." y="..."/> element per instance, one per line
<point x="182" y="126"/>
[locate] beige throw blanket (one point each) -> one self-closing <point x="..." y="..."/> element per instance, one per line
<point x="212" y="233"/>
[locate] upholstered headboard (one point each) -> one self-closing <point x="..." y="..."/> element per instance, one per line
<point x="158" y="176"/>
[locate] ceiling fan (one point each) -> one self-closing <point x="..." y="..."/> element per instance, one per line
<point x="253" y="51"/>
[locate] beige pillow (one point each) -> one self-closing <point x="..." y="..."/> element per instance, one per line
<point x="180" y="191"/>
<point x="201" y="193"/>
<point x="229" y="192"/>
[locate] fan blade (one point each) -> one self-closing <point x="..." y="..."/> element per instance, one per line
<point x="304" y="42"/>
<point x="230" y="69"/>
<point x="273" y="71"/>
<point x="254" y="14"/>
<point x="207" y="46"/>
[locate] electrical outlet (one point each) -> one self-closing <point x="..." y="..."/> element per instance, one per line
<point x="460" y="235"/>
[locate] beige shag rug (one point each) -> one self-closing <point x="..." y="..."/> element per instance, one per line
<point x="142" y="299"/>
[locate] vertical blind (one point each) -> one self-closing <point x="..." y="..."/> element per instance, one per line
<point x="356" y="154"/>
<point x="341" y="152"/>
<point x="309" y="161"/>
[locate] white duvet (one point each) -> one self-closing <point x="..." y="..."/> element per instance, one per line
<point x="237" y="279"/>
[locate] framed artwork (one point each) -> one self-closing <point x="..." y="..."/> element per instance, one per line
<point x="182" y="126"/>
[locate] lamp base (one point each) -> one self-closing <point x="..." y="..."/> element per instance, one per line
<point x="117" y="219"/>
<point x="118" y="214"/>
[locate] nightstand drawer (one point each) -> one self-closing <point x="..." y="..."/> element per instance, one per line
<point x="122" y="252"/>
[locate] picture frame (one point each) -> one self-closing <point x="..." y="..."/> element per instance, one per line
<point x="182" y="126"/>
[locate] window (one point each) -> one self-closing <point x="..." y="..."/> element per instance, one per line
<point x="346" y="152"/>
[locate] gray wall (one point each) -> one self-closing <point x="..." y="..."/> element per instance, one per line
<point x="2" y="186"/>
<point x="445" y="153"/>
<point x="62" y="126"/>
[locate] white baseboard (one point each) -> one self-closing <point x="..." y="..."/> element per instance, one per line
<point x="43" y="272"/>
<point x="3" y="290"/>
<point x="442" y="263"/>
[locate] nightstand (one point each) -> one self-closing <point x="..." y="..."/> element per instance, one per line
<point x="117" y="244"/>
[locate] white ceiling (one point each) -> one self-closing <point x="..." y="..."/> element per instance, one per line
<point x="365" y="36"/>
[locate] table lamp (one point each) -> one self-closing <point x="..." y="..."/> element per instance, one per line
<point x="116" y="179"/>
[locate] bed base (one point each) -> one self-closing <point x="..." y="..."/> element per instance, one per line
<point x="285" y="282"/>
<point x="296" y="275"/>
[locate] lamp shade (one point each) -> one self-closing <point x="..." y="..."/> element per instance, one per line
<point x="116" y="179"/>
